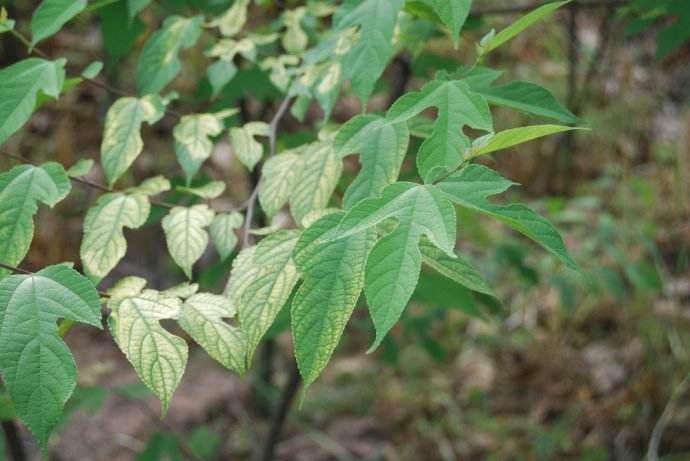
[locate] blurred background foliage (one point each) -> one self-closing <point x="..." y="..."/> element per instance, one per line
<point x="566" y="367"/>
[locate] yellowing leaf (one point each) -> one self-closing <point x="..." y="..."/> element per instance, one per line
<point x="278" y="180"/>
<point x="233" y="20"/>
<point x="223" y="229"/>
<point x="247" y="149"/>
<point x="193" y="143"/>
<point x="122" y="141"/>
<point x="185" y="234"/>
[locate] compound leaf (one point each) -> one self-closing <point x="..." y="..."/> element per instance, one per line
<point x="38" y="368"/>
<point x="261" y="281"/>
<point x="104" y="243"/>
<point x="381" y="147"/>
<point x="457" y="106"/>
<point x="159" y="62"/>
<point x="471" y="186"/>
<point x="158" y="356"/>
<point x="185" y="234"/>
<point x="51" y="15"/>
<point x="21" y="188"/>
<point x="20" y="85"/>
<point x="202" y="317"/>
<point x="394" y="264"/>
<point x="122" y="141"/>
<point x="333" y="274"/>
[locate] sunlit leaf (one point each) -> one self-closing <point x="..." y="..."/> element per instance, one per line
<point x="186" y="235"/>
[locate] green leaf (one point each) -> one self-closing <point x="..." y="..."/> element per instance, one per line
<point x="202" y="318"/>
<point x="457" y="269"/>
<point x="457" y="106"/>
<point x="453" y="13"/>
<point x="333" y="275"/>
<point x="261" y="281"/>
<point x="185" y="234"/>
<point x="119" y="31"/>
<point x="37" y="366"/>
<point x="278" y="180"/>
<point x="382" y="148"/>
<point x="20" y="84"/>
<point x="21" y="189"/>
<point x="104" y="243"/>
<point x="151" y="186"/>
<point x="81" y="168"/>
<point x="223" y="234"/>
<point x="294" y="40"/>
<point x="51" y="15"/>
<point x="193" y="143"/>
<point x="394" y="264"/>
<point x="210" y="190"/>
<point x="159" y="62"/>
<point x="247" y="149"/>
<point x="508" y="138"/>
<point x="219" y="74"/>
<point x="92" y="70"/>
<point x="529" y="98"/>
<point x="6" y="24"/>
<point x="366" y="60"/>
<point x="470" y="188"/>
<point x="158" y="356"/>
<point x="135" y="6"/>
<point x="122" y="141"/>
<point x="233" y="20"/>
<point x="316" y="181"/>
<point x="496" y="40"/>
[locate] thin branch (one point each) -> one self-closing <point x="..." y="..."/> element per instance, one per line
<point x="665" y="419"/>
<point x="272" y="135"/>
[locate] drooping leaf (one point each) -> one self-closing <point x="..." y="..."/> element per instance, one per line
<point x="122" y="141"/>
<point x="202" y="318"/>
<point x="529" y="98"/>
<point x="37" y="366"/>
<point x="457" y="106"/>
<point x="159" y="62"/>
<point x="458" y="269"/>
<point x="453" y="13"/>
<point x="382" y="148"/>
<point x="158" y="356"/>
<point x="151" y="186"/>
<point x="223" y="234"/>
<point x="294" y="39"/>
<point x="135" y="6"/>
<point x="261" y="281"/>
<point x="495" y="40"/>
<point x="21" y="189"/>
<point x="317" y="179"/>
<point x="92" y="70"/>
<point x="366" y="59"/>
<point x="208" y="191"/>
<point x="120" y="32"/>
<point x="51" y="15"/>
<point x="20" y="85"/>
<point x="278" y="180"/>
<point x="233" y="20"/>
<point x="104" y="243"/>
<point x="333" y="274"/>
<point x="512" y="137"/>
<point x="247" y="149"/>
<point x="192" y="140"/>
<point x="185" y="234"/>
<point x="471" y="186"/>
<point x="219" y="74"/>
<point x="394" y="263"/>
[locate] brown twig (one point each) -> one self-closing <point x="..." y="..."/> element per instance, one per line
<point x="280" y="415"/>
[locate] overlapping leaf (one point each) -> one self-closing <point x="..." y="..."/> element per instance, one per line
<point x="458" y="106"/>
<point x="192" y="140"/>
<point x="38" y="368"/>
<point x="122" y="141"/>
<point x="104" y="243"/>
<point x="333" y="274"/>
<point x="21" y="189"/>
<point x="223" y="234"/>
<point x="321" y="169"/>
<point x="261" y="281"/>
<point x="247" y="149"/>
<point x="381" y="147"/>
<point x="186" y="235"/>
<point x="471" y="186"/>
<point x="159" y="62"/>
<point x="279" y="177"/>
<point x="20" y="85"/>
<point x="394" y="264"/>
